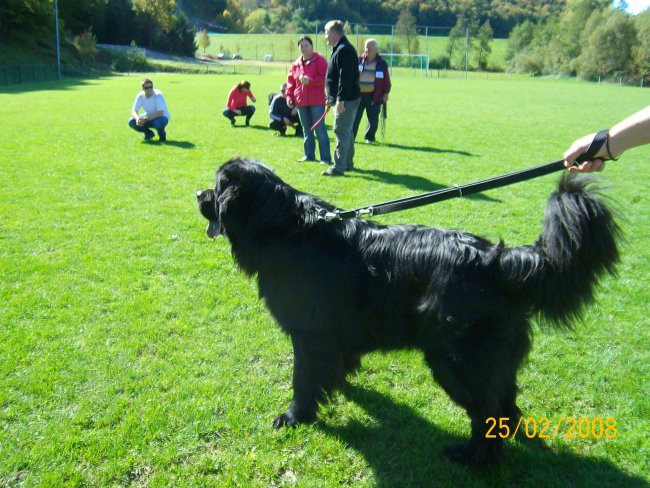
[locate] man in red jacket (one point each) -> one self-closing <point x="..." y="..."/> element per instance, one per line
<point x="374" y="82"/>
<point x="306" y="91"/>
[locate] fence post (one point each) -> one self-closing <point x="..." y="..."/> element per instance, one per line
<point x="357" y="40"/>
<point x="426" y="41"/>
<point x="392" y="45"/>
<point x="466" y="50"/>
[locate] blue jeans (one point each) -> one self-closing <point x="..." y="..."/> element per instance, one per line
<point x="308" y="117"/>
<point x="159" y="124"/>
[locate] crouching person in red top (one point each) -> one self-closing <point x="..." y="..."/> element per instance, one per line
<point x="236" y="103"/>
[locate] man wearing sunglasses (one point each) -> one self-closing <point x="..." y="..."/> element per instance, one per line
<point x="154" y="112"/>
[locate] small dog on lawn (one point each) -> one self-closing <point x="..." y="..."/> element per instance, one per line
<point x="344" y="288"/>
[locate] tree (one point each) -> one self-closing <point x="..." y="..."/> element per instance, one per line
<point x="19" y="18"/>
<point x="119" y="23"/>
<point x="484" y="38"/>
<point x="154" y="18"/>
<point x="642" y="58"/>
<point x="406" y="30"/>
<point x="257" y="21"/>
<point x="204" y="40"/>
<point x="456" y="34"/>
<point x="609" y="50"/>
<point x="520" y="38"/>
<point x="81" y="15"/>
<point x="233" y="16"/>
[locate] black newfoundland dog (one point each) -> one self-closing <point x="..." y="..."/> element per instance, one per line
<point x="343" y="288"/>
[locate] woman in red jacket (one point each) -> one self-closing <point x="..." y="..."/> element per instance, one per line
<point x="306" y="91"/>
<point x="237" y="102"/>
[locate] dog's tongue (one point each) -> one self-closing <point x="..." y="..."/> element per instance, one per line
<point x="213" y="229"/>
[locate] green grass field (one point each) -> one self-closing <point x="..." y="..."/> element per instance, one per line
<point x="283" y="46"/>
<point x="133" y="352"/>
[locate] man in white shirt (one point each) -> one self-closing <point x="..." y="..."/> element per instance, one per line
<point x="154" y="112"/>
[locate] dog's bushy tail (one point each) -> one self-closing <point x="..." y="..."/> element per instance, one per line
<point x="557" y="276"/>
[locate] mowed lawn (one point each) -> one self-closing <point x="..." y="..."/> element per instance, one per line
<point x="132" y="351"/>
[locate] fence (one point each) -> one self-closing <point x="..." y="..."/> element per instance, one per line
<point x="12" y="75"/>
<point x="427" y="41"/>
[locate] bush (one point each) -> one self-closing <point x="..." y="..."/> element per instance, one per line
<point x="86" y="45"/>
<point x="133" y="60"/>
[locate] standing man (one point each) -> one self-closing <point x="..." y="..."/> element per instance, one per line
<point x="342" y="85"/>
<point x="155" y="113"/>
<point x="374" y="83"/>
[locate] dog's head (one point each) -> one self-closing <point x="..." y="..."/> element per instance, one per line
<point x="209" y="208"/>
<point x="248" y="199"/>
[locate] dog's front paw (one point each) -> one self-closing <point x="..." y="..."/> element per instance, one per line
<point x="284" y="420"/>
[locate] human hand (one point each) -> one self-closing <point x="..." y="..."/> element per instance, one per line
<point x="254" y="99"/>
<point x="286" y="121"/>
<point x="304" y="80"/>
<point x="384" y="98"/>
<point x="340" y="107"/>
<point x="294" y="111"/>
<point x="237" y="111"/>
<point x="578" y="148"/>
<point x="289" y="103"/>
<point x="140" y="122"/>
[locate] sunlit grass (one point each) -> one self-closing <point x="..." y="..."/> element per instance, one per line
<point x="132" y="350"/>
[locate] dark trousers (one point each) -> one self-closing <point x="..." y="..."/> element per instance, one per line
<point x="372" y="109"/>
<point x="281" y="127"/>
<point x="246" y="111"/>
<point x="159" y="123"/>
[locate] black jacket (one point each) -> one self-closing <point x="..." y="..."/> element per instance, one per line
<point x="343" y="73"/>
<point x="279" y="108"/>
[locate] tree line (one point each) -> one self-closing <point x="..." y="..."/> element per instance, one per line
<point x="588" y="38"/>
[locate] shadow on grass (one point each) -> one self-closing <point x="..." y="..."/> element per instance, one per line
<point x="412" y="182"/>
<point x="404" y="449"/>
<point x="63" y="84"/>
<point x="181" y="144"/>
<point x="434" y="150"/>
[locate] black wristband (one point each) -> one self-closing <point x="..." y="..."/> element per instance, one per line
<point x="599" y="140"/>
<point x="609" y="152"/>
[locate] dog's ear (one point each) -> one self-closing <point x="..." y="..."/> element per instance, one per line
<point x="207" y="203"/>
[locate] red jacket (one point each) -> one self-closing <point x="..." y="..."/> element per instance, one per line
<point x="382" y="77"/>
<point x="237" y="99"/>
<point x="313" y="93"/>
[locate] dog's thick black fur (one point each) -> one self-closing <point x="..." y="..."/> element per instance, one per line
<point x="344" y="288"/>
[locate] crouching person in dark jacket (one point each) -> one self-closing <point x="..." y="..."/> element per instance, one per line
<point x="281" y="115"/>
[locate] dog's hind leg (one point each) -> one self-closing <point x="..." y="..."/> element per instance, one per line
<point x="317" y="370"/>
<point x="477" y="366"/>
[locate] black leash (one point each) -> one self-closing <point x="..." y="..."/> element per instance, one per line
<point x="450" y="192"/>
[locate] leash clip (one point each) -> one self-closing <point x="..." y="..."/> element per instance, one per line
<point x="329" y="216"/>
<point x="370" y="211"/>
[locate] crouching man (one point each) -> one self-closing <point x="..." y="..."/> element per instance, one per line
<point x="150" y="112"/>
<point x="281" y="115"/>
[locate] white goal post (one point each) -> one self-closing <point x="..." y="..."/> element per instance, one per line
<point x="401" y="60"/>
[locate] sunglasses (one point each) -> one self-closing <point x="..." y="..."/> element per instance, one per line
<point x="148" y="87"/>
